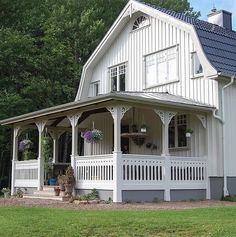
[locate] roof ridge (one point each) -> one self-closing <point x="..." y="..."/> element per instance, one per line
<point x="198" y="23"/>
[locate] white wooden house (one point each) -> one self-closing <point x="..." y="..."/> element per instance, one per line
<point x="161" y="69"/>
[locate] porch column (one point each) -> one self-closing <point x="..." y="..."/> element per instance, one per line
<point x="55" y="135"/>
<point x="16" y="133"/>
<point x="166" y="117"/>
<point x="40" y="125"/>
<point x="74" y="150"/>
<point x="203" y="119"/>
<point x="117" y="113"/>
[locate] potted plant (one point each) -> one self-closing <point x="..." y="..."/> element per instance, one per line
<point x="25" y="147"/>
<point x="6" y="192"/>
<point x="69" y="181"/>
<point x="93" y="136"/>
<point x="188" y="132"/>
<point x="61" y="179"/>
<point x="143" y="128"/>
<point x="57" y="190"/>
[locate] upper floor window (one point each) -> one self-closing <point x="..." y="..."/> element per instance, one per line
<point x="177" y="131"/>
<point x="140" y="22"/>
<point x="197" y="69"/>
<point x="118" y="77"/>
<point x="162" y="67"/>
<point x="94" y="89"/>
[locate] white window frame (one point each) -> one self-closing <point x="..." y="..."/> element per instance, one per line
<point x="140" y="22"/>
<point x="176" y="145"/>
<point x="165" y="54"/>
<point x="194" y="56"/>
<point x="118" y="68"/>
<point x="93" y="90"/>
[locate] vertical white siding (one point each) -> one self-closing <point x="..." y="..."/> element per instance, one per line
<point x="230" y="129"/>
<point x="131" y="47"/>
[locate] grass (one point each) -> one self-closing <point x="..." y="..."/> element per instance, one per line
<point x="19" y="221"/>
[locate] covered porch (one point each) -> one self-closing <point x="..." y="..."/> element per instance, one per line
<point x="128" y="164"/>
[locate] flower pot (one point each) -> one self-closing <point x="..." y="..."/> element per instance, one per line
<point x="69" y="189"/>
<point x="188" y="134"/>
<point x="143" y="129"/>
<point x="6" y="195"/>
<point x="52" y="182"/>
<point x="57" y="192"/>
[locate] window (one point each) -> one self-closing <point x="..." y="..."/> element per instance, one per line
<point x="94" y="89"/>
<point x="118" y="76"/>
<point x="177" y="130"/>
<point x="197" y="69"/>
<point x="140" y="22"/>
<point x="162" y="67"/>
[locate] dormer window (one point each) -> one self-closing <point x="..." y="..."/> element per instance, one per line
<point x="140" y="22"/>
<point x="197" y="69"/>
<point x="118" y="77"/>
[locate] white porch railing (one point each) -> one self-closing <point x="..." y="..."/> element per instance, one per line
<point x="188" y="172"/>
<point x="26" y="173"/>
<point x="94" y="172"/>
<point x="142" y="172"/>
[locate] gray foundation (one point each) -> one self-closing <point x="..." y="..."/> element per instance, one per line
<point x="232" y="185"/>
<point x="103" y="194"/>
<point x="186" y="194"/>
<point x="216" y="187"/>
<point x="142" y="195"/>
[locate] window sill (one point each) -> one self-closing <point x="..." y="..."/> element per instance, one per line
<point x="162" y="84"/>
<point x="179" y="149"/>
<point x="197" y="76"/>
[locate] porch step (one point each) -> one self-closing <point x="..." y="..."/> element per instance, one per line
<point x="46" y="193"/>
<point x="33" y="196"/>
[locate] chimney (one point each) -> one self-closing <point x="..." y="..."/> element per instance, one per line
<point x="221" y="18"/>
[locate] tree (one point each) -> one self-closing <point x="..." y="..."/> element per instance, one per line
<point x="44" y="45"/>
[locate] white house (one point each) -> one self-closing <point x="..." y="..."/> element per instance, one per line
<point x="163" y="70"/>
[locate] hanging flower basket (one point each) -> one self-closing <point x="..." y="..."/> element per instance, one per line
<point x="25" y="144"/>
<point x="93" y="136"/>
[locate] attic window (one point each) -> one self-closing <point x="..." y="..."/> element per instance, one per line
<point x="140" y="22"/>
<point x="197" y="69"/>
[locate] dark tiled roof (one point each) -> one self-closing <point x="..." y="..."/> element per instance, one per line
<point x="219" y="44"/>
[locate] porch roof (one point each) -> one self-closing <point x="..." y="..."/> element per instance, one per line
<point x="145" y="98"/>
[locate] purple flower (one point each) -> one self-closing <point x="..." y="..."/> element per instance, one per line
<point x="25" y="144"/>
<point x="93" y="136"/>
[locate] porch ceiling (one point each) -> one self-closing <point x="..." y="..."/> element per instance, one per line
<point x="58" y="113"/>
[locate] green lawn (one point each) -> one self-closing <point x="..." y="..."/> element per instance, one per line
<point x="18" y="221"/>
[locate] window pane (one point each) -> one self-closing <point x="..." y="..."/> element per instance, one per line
<point x="150" y="70"/>
<point x="172" y="67"/>
<point x="182" y="126"/>
<point x="96" y="89"/>
<point x="114" y="83"/>
<point x="122" y="82"/>
<point x="172" y="133"/>
<point x="197" y="67"/>
<point x="161" y="72"/>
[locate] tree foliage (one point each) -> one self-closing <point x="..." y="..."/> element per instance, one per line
<point x="44" y="45"/>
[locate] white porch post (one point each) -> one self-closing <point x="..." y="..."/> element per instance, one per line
<point x="16" y="134"/>
<point x="40" y="125"/>
<point x="166" y="117"/>
<point x="117" y="113"/>
<point x="74" y="151"/>
<point x="203" y="119"/>
<point x="55" y="135"/>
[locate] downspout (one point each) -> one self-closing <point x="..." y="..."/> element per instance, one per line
<point x="222" y="120"/>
